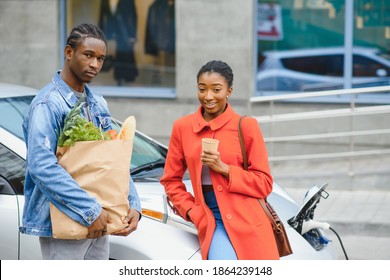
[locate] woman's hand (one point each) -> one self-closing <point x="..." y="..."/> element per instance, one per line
<point x="189" y="214"/>
<point x="213" y="160"/>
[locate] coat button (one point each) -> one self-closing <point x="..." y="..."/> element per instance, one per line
<point x="228" y="216"/>
<point x="220" y="188"/>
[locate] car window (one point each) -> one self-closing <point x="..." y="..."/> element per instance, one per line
<point x="367" y="67"/>
<point x="12" y="169"/>
<point x="5" y="187"/>
<point x="12" y="111"/>
<point x="325" y="65"/>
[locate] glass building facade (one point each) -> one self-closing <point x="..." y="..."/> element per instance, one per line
<point x="140" y="36"/>
<point x="302" y="44"/>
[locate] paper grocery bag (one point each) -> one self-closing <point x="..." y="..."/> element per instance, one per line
<point x="102" y="168"/>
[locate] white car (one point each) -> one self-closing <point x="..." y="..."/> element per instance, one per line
<point x="320" y="68"/>
<point x="161" y="234"/>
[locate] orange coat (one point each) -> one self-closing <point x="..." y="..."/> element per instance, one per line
<point x="245" y="221"/>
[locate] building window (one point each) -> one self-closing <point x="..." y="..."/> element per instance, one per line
<point x="301" y="45"/>
<point x="141" y="44"/>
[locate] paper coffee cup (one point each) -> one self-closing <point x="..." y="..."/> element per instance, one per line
<point x="209" y="144"/>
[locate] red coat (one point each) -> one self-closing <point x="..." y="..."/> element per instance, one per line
<point x="246" y="223"/>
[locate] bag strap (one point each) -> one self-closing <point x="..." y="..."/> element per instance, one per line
<point x="242" y="143"/>
<point x="245" y="158"/>
<point x="271" y="218"/>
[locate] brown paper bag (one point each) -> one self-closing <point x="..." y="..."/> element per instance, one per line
<point x="102" y="168"/>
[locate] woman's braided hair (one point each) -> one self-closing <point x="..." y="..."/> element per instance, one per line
<point x="220" y="67"/>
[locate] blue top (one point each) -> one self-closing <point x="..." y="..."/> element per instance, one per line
<point x="41" y="129"/>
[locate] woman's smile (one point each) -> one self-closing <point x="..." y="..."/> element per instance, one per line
<point x="210" y="105"/>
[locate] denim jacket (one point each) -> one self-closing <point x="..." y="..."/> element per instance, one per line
<point x="46" y="181"/>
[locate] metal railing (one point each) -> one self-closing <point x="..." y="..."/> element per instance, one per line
<point x="349" y="106"/>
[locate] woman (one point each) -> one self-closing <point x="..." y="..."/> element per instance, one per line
<point x="230" y="221"/>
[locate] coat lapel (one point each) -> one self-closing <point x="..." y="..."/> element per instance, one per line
<point x="199" y="123"/>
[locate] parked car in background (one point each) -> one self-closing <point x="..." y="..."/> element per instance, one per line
<point x="320" y="69"/>
<point x="161" y="234"/>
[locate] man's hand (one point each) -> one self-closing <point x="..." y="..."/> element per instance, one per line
<point x="99" y="226"/>
<point x="131" y="220"/>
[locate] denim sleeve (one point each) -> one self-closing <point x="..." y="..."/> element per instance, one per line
<point x="49" y="177"/>
<point x="134" y="198"/>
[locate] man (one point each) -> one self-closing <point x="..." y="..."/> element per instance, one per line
<point x="46" y="181"/>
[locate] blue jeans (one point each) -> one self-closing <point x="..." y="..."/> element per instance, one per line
<point x="221" y="248"/>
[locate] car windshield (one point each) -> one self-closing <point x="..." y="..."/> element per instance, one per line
<point x="147" y="154"/>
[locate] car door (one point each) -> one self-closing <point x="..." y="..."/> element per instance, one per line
<point x="13" y="244"/>
<point x="9" y="206"/>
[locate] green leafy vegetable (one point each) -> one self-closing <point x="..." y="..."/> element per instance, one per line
<point x="76" y="128"/>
